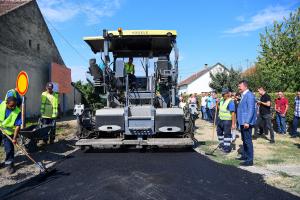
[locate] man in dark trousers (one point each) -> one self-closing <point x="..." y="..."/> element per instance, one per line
<point x="264" y="116"/>
<point x="10" y="123"/>
<point x="226" y="121"/>
<point x="246" y="116"/>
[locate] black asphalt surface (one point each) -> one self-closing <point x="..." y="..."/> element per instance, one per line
<point x="150" y="175"/>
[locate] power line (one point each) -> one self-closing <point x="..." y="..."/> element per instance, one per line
<point x="61" y="35"/>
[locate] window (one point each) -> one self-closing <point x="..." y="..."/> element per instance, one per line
<point x="29" y="43"/>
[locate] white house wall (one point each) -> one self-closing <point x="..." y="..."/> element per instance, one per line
<point x="182" y="89"/>
<point x="201" y="84"/>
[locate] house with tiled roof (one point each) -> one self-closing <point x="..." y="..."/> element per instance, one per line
<point x="199" y="82"/>
<point x="26" y="44"/>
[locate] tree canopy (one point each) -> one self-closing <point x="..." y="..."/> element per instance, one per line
<point x="278" y="63"/>
<point x="225" y="79"/>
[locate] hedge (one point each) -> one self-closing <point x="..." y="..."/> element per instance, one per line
<point x="289" y="96"/>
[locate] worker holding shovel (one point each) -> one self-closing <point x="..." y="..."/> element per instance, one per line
<point x="10" y="122"/>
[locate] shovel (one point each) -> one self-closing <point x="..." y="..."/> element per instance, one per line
<point x="39" y="165"/>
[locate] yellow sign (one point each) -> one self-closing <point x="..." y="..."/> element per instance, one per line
<point x="22" y="83"/>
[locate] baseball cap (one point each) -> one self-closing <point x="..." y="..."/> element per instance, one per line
<point x="225" y="91"/>
<point x="49" y="85"/>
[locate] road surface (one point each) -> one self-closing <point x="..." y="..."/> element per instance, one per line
<point x="151" y="175"/>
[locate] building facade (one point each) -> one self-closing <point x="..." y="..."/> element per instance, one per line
<point x="26" y="44"/>
<point x="199" y="82"/>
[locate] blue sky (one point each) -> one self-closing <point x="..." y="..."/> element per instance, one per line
<point x="208" y="31"/>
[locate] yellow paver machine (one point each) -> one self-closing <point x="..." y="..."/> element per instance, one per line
<point x="140" y="111"/>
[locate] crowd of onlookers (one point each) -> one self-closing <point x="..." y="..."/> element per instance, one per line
<point x="245" y="112"/>
<point x="265" y="108"/>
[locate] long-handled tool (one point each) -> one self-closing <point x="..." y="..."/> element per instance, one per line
<point x="214" y="125"/>
<point x="38" y="164"/>
<point x="213" y="151"/>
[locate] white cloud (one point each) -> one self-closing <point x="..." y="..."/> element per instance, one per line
<point x="262" y="19"/>
<point x="64" y="10"/>
<point x="240" y="18"/>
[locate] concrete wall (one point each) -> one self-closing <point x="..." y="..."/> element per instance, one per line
<point x="26" y="44"/>
<point x="202" y="83"/>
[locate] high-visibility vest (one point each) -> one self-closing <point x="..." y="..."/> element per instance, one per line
<point x="54" y="105"/>
<point x="129" y="68"/>
<point x="224" y="113"/>
<point x="8" y="124"/>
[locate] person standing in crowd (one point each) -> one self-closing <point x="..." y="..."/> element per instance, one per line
<point x="246" y="116"/>
<point x="264" y="114"/>
<point x="182" y="103"/>
<point x="212" y="108"/>
<point x="296" y="115"/>
<point x="208" y="102"/>
<point x="192" y="99"/>
<point x="203" y="106"/>
<point x="237" y="98"/>
<point x="281" y="108"/>
<point x="226" y="122"/>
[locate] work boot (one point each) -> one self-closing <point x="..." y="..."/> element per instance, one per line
<point x="10" y="169"/>
<point x="226" y="150"/>
<point x="221" y="146"/>
<point x="241" y="158"/>
<point x="246" y="163"/>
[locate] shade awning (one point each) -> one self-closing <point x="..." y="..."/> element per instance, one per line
<point x="133" y="43"/>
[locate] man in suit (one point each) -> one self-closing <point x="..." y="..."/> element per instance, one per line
<point x="246" y="116"/>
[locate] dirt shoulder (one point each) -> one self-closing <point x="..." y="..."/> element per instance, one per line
<point x="49" y="154"/>
<point x="279" y="163"/>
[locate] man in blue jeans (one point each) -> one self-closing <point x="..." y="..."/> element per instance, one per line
<point x="296" y="116"/>
<point x="203" y="106"/>
<point x="281" y="107"/>
<point x="10" y="122"/>
<point x="246" y="116"/>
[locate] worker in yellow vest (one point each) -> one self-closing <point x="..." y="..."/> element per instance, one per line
<point x="10" y="123"/>
<point x="130" y="71"/>
<point x="14" y="93"/>
<point x="226" y="121"/>
<point x="50" y="109"/>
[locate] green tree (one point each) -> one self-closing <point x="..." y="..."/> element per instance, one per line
<point x="226" y="79"/>
<point x="278" y="63"/>
<point x="89" y="97"/>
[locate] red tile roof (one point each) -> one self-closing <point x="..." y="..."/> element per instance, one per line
<point x="194" y="77"/>
<point x="197" y="75"/>
<point x="8" y="5"/>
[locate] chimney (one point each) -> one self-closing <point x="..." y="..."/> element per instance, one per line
<point x="205" y="66"/>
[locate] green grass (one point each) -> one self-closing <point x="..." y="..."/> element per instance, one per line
<point x="232" y="162"/>
<point x="274" y="161"/>
<point x="283" y="174"/>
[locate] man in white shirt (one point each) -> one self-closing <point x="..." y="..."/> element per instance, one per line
<point x="203" y="106"/>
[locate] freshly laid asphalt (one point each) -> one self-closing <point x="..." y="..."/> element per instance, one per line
<point x="151" y="175"/>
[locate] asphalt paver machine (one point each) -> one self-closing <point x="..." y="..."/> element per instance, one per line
<point x="146" y="114"/>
